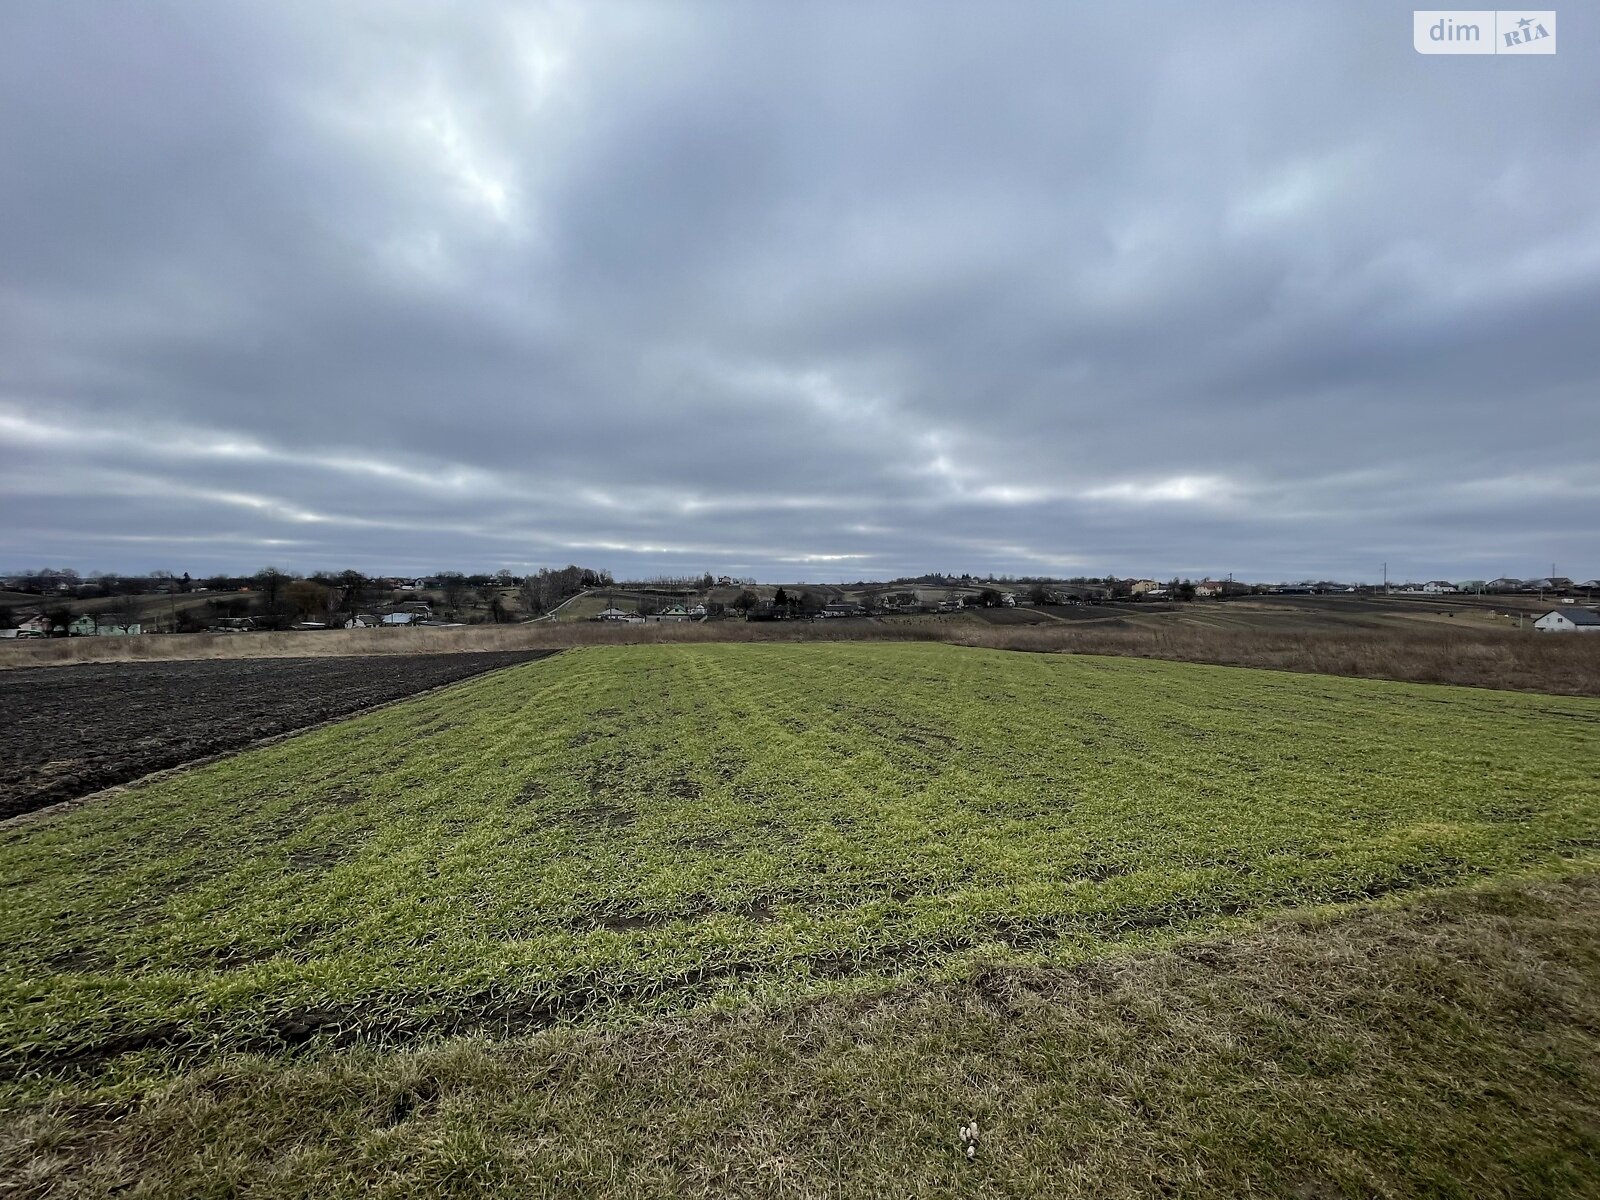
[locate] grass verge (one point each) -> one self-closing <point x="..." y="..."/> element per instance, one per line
<point x="1440" y="1046"/>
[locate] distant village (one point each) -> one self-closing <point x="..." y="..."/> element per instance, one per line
<point x="60" y="603"/>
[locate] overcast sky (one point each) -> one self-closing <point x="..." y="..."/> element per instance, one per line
<point x="802" y="291"/>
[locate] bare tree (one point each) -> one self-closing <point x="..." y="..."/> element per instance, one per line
<point x="454" y="586"/>
<point x="272" y="582"/>
<point x="530" y="595"/>
<point x="353" y="585"/>
<point x="309" y="600"/>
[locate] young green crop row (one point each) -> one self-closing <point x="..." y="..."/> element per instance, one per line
<point x="655" y="827"/>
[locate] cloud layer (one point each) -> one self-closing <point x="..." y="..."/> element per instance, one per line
<point x="816" y="292"/>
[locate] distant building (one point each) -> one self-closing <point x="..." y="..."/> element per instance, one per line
<point x="87" y="626"/>
<point x="612" y="614"/>
<point x="402" y="618"/>
<point x="1570" y="620"/>
<point x="1439" y="587"/>
<point x="843" y="608"/>
<point x="1143" y="587"/>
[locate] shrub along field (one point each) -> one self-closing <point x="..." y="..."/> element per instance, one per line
<point x="629" y="832"/>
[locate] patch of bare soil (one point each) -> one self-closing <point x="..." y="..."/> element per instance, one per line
<point x="69" y="731"/>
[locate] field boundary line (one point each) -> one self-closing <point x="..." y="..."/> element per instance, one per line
<point x="62" y="807"/>
<point x="551" y="615"/>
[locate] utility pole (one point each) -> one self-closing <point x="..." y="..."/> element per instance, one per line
<point x="1385" y="579"/>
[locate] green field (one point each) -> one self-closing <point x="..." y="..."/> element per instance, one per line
<point x="633" y="830"/>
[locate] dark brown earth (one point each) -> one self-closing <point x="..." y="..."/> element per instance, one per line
<point x="69" y="731"/>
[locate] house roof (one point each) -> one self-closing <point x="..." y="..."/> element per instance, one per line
<point x="1578" y="616"/>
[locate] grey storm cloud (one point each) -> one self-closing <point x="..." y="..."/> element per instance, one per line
<point x="803" y="291"/>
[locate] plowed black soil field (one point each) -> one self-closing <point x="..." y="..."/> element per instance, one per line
<point x="69" y="731"/>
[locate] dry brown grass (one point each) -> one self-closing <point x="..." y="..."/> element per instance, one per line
<point x="467" y="639"/>
<point x="1482" y="658"/>
<point x="1420" y="653"/>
